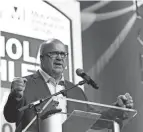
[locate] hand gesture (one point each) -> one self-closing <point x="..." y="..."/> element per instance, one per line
<point x="125" y="101"/>
<point x="18" y="86"/>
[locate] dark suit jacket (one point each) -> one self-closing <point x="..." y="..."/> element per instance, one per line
<point x="36" y="88"/>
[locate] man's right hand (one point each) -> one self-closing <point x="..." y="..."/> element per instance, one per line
<point x="18" y="87"/>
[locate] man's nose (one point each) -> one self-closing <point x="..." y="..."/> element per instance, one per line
<point x="59" y="57"/>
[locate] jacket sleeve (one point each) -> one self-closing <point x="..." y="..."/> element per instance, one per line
<point x="11" y="108"/>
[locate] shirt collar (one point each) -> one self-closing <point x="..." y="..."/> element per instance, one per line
<point x="48" y="78"/>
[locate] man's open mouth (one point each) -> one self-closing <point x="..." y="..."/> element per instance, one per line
<point x="58" y="64"/>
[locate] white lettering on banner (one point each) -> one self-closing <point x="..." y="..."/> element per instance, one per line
<point x="3" y="68"/>
<point x="14" y="53"/>
<point x="27" y="69"/>
<point x="8" y="75"/>
<point x="14" y="50"/>
<point x="11" y="70"/>
<point x="9" y="48"/>
<point x="26" y="52"/>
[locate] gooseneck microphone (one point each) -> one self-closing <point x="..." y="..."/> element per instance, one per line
<point x="89" y="81"/>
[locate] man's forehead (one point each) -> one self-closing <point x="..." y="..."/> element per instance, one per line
<point x="57" y="46"/>
<point x="53" y="47"/>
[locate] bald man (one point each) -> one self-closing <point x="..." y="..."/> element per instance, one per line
<point x="46" y="81"/>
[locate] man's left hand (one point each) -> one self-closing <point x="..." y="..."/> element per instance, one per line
<point x="125" y="101"/>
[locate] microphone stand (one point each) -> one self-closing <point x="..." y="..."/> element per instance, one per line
<point x="38" y="117"/>
<point x="40" y="101"/>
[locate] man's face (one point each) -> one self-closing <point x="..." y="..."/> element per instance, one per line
<point x="53" y="60"/>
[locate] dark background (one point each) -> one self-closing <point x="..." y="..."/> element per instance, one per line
<point x="123" y="72"/>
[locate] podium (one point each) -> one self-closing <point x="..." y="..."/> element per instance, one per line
<point x="97" y="117"/>
<point x="90" y="117"/>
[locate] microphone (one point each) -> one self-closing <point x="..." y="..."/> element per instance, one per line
<point x="82" y="74"/>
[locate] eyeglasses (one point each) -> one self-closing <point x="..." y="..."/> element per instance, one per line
<point x="55" y="54"/>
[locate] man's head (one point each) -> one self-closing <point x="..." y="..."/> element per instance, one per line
<point x="53" y="57"/>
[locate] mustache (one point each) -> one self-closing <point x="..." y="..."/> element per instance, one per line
<point x="59" y="63"/>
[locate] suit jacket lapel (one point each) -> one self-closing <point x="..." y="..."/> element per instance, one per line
<point x="39" y="80"/>
<point x="68" y="95"/>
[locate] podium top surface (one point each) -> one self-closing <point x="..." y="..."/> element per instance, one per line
<point x="109" y="113"/>
<point x="104" y="115"/>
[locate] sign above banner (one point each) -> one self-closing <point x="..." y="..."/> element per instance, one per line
<point x="41" y="20"/>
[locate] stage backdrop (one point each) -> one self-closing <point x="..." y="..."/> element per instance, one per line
<point x="23" y="26"/>
<point x="112" y="52"/>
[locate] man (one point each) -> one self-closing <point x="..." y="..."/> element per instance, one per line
<point x="46" y="81"/>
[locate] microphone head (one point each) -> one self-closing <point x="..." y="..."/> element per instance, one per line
<point x="79" y="72"/>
